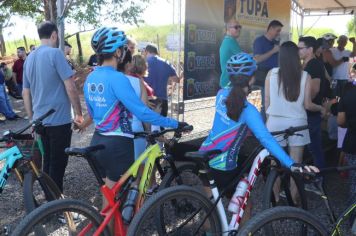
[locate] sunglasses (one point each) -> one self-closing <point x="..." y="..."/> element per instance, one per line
<point x="236" y="27"/>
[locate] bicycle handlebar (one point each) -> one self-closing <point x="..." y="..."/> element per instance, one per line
<point x="9" y="134"/>
<point x="290" y="131"/>
<point x="158" y="134"/>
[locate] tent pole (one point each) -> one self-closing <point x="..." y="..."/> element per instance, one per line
<point x="301" y="23"/>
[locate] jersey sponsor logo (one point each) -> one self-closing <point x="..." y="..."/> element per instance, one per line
<point x="96" y="92"/>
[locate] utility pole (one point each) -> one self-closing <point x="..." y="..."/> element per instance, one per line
<point x="60" y="23"/>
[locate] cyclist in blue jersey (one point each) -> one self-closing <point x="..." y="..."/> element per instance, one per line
<point x="234" y="117"/>
<point x="111" y="103"/>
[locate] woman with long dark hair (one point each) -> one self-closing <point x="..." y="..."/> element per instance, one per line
<point x="287" y="97"/>
<point x="234" y="116"/>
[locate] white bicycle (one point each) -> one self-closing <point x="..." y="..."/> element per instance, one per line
<point x="186" y="210"/>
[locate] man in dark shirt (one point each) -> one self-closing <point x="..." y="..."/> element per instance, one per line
<point x="315" y="68"/>
<point x="346" y="118"/>
<point x="160" y="72"/>
<point x="265" y="51"/>
<point x="17" y="68"/>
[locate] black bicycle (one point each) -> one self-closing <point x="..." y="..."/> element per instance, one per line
<point x="284" y="220"/>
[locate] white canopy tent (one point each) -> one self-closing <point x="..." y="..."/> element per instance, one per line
<point x="304" y="8"/>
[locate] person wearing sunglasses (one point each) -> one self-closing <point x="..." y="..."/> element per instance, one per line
<point x="228" y="48"/>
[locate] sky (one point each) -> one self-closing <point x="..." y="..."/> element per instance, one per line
<point x="160" y="12"/>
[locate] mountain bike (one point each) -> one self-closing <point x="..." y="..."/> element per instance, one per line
<point x="184" y="210"/>
<point x="23" y="155"/>
<point x="284" y="220"/>
<point x="74" y="217"/>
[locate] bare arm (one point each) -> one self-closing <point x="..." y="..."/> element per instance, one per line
<point x="327" y="76"/>
<point x="308" y="104"/>
<point x="144" y="96"/>
<point x="353" y="53"/>
<point x="341" y="119"/>
<point x="73" y="97"/>
<point x="14" y="77"/>
<point x="262" y="57"/>
<point x="328" y="57"/>
<point x="314" y="87"/>
<point x="267" y="90"/>
<point x="27" y="100"/>
<point x="174" y="79"/>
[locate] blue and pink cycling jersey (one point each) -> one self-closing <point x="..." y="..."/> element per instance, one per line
<point x="111" y="101"/>
<point x="227" y="132"/>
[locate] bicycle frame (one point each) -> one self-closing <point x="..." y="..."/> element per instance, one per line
<point x="236" y="218"/>
<point x="10" y="155"/>
<point x="112" y="210"/>
<point x="344" y="215"/>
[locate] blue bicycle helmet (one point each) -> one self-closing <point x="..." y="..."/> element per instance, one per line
<point x="241" y="64"/>
<point x="107" y="40"/>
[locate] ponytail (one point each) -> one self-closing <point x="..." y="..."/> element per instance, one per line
<point x="235" y="102"/>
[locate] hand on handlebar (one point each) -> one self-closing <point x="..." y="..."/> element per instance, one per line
<point x="302" y="168"/>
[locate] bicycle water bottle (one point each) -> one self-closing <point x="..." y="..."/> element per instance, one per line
<point x="129" y="205"/>
<point x="238" y="197"/>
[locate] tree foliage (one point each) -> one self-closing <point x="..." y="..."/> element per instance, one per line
<point x="351" y="26"/>
<point x="83" y="12"/>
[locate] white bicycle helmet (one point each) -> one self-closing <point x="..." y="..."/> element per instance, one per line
<point x="329" y="36"/>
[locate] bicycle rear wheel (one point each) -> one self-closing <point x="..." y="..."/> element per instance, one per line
<point x="177" y="210"/>
<point x="37" y="191"/>
<point x="61" y="217"/>
<point x="283" y="221"/>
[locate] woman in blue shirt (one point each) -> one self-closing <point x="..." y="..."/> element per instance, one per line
<point x="111" y="103"/>
<point x="234" y="116"/>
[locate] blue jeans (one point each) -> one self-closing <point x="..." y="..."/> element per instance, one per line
<point x="5" y="106"/>
<point x="315" y="146"/>
<point x="19" y="89"/>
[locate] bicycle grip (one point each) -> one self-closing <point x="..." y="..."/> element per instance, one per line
<point x="48" y="113"/>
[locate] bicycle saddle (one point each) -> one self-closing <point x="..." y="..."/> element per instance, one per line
<point x="73" y="151"/>
<point x="201" y="156"/>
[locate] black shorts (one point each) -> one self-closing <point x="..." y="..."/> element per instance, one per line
<point x="117" y="156"/>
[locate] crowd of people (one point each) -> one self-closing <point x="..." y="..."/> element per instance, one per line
<point x="303" y="84"/>
<point x="127" y="92"/>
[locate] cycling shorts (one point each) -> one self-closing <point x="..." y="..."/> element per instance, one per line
<point x="116" y="158"/>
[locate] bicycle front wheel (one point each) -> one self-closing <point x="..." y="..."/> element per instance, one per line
<point x="283" y="221"/>
<point x="178" y="210"/>
<point x="61" y="217"/>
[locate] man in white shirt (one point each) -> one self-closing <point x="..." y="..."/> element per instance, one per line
<point x="341" y="72"/>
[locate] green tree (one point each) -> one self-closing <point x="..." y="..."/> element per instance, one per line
<point x="351" y="26"/>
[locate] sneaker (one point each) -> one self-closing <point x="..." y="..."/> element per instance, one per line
<point x="312" y="188"/>
<point x="282" y="194"/>
<point x="75" y="215"/>
<point x="16" y="117"/>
